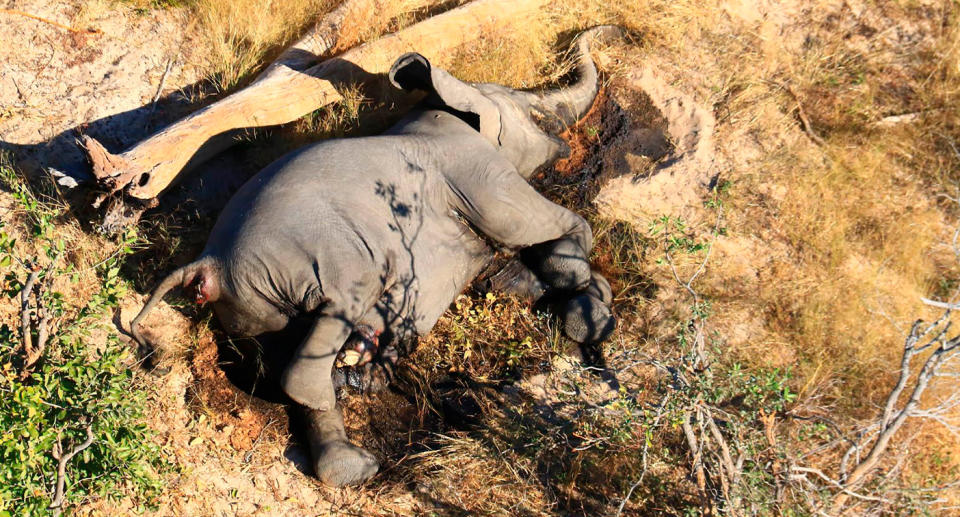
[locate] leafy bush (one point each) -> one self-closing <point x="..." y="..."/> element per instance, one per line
<point x="47" y="410"/>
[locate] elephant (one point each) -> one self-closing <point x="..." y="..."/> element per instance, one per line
<point x="385" y="231"/>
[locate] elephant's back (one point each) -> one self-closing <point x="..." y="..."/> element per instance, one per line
<point x="335" y="210"/>
<point x="322" y="187"/>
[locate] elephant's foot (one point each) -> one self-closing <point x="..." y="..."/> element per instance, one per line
<point x="560" y="264"/>
<point x="586" y="319"/>
<point x="339" y="463"/>
<point x="336" y="461"/>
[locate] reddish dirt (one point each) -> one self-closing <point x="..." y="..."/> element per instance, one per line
<point x="599" y="128"/>
<point x="230" y="407"/>
<point x="583" y="145"/>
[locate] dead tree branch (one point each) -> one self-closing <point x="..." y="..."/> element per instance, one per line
<point x="26" y="329"/>
<point x="284" y="93"/>
<point x="873" y="441"/>
<point x="800" y="472"/>
<point x="945" y="349"/>
<point x="696" y="449"/>
<point x="36" y="318"/>
<point x="63" y="460"/>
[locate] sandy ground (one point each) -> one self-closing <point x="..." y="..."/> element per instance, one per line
<point x="56" y="83"/>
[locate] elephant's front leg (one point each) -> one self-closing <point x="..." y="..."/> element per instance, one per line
<point x="308" y="380"/>
<point x="585" y="312"/>
<point x="556" y="242"/>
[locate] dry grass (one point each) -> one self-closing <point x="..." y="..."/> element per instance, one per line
<point x="854" y="232"/>
<point x="243" y="35"/>
<point x="862" y="227"/>
<point x="240" y="35"/>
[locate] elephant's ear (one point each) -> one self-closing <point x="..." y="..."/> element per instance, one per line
<point x="412" y="71"/>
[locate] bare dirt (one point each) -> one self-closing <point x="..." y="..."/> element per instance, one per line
<point x="56" y="82"/>
<point x="666" y="157"/>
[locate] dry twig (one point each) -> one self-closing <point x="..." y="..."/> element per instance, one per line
<point x="804" y="121"/>
<point x="51" y="22"/>
<point x="63" y="460"/>
<point x="807" y="127"/>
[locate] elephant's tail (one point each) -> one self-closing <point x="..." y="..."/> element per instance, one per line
<point x="571" y="103"/>
<point x="182" y="277"/>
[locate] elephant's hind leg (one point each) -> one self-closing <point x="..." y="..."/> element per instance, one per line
<point x="308" y="377"/>
<point x="336" y="461"/>
<point x="308" y="380"/>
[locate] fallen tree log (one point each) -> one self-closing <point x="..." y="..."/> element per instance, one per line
<point x="284" y="93"/>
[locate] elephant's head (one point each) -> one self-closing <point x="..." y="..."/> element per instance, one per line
<point x="522" y="125"/>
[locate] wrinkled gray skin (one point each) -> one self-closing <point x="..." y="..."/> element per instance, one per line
<point x="385" y="231"/>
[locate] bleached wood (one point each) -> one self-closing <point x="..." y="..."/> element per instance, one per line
<point x="283" y="94"/>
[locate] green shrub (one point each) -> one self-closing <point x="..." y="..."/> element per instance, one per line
<point x="74" y="387"/>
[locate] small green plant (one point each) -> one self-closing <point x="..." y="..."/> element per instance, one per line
<point x="476" y="340"/>
<point x="676" y="236"/>
<point x="717" y="412"/>
<point x="71" y="418"/>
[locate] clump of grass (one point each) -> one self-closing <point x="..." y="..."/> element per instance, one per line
<point x="857" y="216"/>
<point x="243" y="35"/>
<point x="491" y="338"/>
<point x="338" y="119"/>
<point x="240" y="35"/>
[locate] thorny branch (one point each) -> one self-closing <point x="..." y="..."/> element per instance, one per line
<point x="712" y="459"/>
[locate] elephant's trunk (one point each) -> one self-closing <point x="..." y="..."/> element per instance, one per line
<point x="567" y="105"/>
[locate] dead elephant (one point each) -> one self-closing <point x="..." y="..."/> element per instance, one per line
<point x="383" y="232"/>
